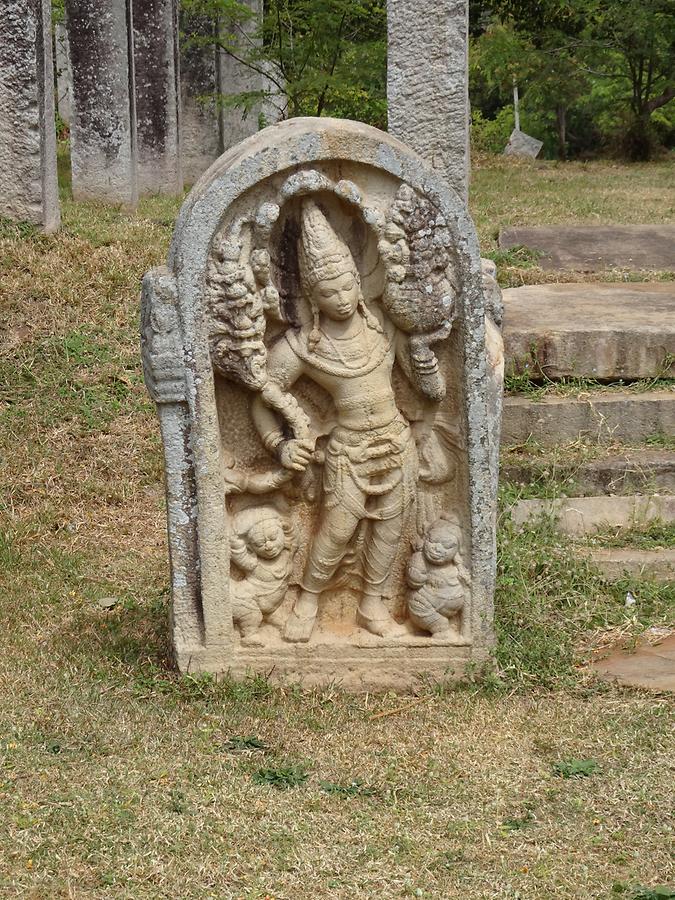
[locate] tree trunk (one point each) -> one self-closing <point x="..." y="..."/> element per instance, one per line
<point x="561" y="123"/>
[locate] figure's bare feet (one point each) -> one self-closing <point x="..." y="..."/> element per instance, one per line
<point x="254" y="639"/>
<point x="441" y="634"/>
<point x="374" y="616"/>
<point x="300" y="623"/>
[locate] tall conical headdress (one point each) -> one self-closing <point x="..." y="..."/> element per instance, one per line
<point x="322" y="254"/>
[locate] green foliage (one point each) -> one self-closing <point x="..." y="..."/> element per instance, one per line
<point x="575" y="768"/>
<point x="590" y="74"/>
<point x="355" y="788"/>
<point x="318" y="57"/>
<point x="58" y="11"/>
<point x="282" y="777"/>
<point x="491" y="135"/>
<point x="641" y="892"/>
<point x="243" y="744"/>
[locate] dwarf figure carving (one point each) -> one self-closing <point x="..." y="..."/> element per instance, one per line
<point x="437" y="579"/>
<point x="262" y="549"/>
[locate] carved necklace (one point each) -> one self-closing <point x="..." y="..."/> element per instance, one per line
<point x="372" y="358"/>
<point x="362" y="353"/>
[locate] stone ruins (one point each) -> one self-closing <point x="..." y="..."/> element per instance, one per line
<point x="27" y="130"/>
<point x="428" y="83"/>
<point x="139" y="101"/>
<point x="317" y="351"/>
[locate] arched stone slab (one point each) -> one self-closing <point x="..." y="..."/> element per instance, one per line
<point x="236" y="335"/>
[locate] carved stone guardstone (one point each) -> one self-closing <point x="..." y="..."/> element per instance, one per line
<point x="316" y="348"/>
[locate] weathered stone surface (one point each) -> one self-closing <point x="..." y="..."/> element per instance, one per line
<point x="593" y="248"/>
<point x="200" y="134"/>
<point x="637" y="471"/>
<point x="585" y="515"/>
<point x="330" y="500"/>
<point x="27" y="137"/>
<point x="521" y="144"/>
<point x="651" y="665"/>
<point x="600" y="331"/>
<point x="103" y="131"/>
<point x="619" y="416"/>
<point x="157" y="96"/>
<point x="206" y="71"/>
<point x="64" y="77"/>
<point x="615" y="562"/>
<point x="428" y="84"/>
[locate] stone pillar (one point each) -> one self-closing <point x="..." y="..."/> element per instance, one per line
<point x="103" y="130"/>
<point x="206" y="71"/>
<point x="64" y="78"/>
<point x="200" y="137"/>
<point x="237" y="78"/>
<point x="157" y="81"/>
<point x="428" y="83"/>
<point x="27" y="132"/>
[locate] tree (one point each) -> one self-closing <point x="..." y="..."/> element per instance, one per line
<point x="629" y="43"/>
<point x="318" y="57"/>
<point x="635" y="43"/>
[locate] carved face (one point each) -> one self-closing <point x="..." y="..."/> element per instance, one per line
<point x="266" y="538"/>
<point x="440" y="546"/>
<point x="337" y="297"/>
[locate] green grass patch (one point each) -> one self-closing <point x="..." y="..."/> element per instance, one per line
<point x="652" y="536"/>
<point x="549" y="594"/>
<point x="575" y="768"/>
<point x="282" y="777"/>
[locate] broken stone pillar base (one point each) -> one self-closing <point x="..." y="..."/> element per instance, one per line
<point x="317" y="351"/>
<point x="27" y="131"/>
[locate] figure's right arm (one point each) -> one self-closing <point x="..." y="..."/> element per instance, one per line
<point x="284" y="368"/>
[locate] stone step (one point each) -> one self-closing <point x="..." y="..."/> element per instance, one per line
<point x="635" y="471"/>
<point x="603" y="417"/>
<point x="615" y="562"/>
<point x="650" y="665"/>
<point x="593" y="248"/>
<point x="607" y="332"/>
<point x="587" y="515"/>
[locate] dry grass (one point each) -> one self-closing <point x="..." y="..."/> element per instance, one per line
<point x="116" y="776"/>
<point x="541" y="192"/>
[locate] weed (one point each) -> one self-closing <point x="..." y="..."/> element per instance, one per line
<point x="652" y="535"/>
<point x="282" y="777"/>
<point x="354" y="788"/>
<point x="517" y="823"/>
<point x="575" y="768"/>
<point x="245" y="744"/>
<point x="660" y="439"/>
<point x="641" y="892"/>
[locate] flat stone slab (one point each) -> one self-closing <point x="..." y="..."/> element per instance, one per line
<point x="644" y="471"/>
<point x="615" y="562"/>
<point x="594" y="248"/>
<point x="601" y="331"/>
<point x="586" y="515"/>
<point x="651" y="666"/>
<point x="603" y="418"/>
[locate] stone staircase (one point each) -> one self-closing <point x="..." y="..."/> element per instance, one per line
<point x="604" y="452"/>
